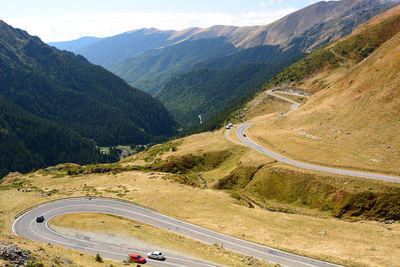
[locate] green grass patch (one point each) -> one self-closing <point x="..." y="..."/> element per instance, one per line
<point x="191" y="162"/>
<point x="76" y="170"/>
<point x="159" y="150"/>
<point x="239" y="178"/>
<point x="343" y="197"/>
<point x="362" y="45"/>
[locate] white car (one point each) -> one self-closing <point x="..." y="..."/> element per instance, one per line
<point x="156" y="255"/>
<point x="229" y="126"/>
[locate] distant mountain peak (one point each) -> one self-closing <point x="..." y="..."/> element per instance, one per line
<point x="151" y="30"/>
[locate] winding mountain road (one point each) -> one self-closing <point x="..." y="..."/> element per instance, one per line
<point x="295" y="105"/>
<point x="26" y="226"/>
<point x="246" y="141"/>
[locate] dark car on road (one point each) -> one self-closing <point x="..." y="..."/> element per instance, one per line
<point x="40" y="219"/>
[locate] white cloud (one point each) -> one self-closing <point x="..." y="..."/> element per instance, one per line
<point x="69" y="27"/>
<point x="270" y="3"/>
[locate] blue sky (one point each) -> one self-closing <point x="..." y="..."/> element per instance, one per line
<point x="56" y="20"/>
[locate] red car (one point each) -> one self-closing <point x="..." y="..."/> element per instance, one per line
<point x="136" y="258"/>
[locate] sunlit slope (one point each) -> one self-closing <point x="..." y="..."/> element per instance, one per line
<point x="354" y="113"/>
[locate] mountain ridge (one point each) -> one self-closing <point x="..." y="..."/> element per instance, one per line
<point x="179" y="53"/>
<point x="275" y="33"/>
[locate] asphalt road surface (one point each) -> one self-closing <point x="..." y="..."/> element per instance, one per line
<point x="241" y="134"/>
<point x="27" y="226"/>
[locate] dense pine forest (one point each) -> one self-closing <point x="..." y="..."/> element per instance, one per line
<point x="56" y="106"/>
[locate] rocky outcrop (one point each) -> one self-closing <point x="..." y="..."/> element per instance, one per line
<point x="14" y="254"/>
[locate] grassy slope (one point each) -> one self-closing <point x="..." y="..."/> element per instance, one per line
<point x="309" y="232"/>
<point x="355" y="110"/>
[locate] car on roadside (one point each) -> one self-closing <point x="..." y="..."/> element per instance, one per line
<point x="136" y="258"/>
<point x="229" y="126"/>
<point x="156" y="255"/>
<point x="40" y="219"/>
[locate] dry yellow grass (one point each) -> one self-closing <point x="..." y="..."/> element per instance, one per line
<point x="265" y="104"/>
<point x="198" y="143"/>
<point x="204" y="142"/>
<point x="357" y="243"/>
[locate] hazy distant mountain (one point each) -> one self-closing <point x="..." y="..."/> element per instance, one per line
<point x="154" y="66"/>
<point x="54" y="101"/>
<point x="113" y="49"/>
<point x="75" y="45"/>
<point x="128" y="44"/>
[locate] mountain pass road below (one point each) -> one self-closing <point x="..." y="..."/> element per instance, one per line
<point x="26" y="226"/>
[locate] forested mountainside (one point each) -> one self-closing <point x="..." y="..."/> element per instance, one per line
<point x="155" y="60"/>
<point x="63" y="99"/>
<point x="28" y="142"/>
<point x="211" y="91"/>
<point x="67" y="89"/>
